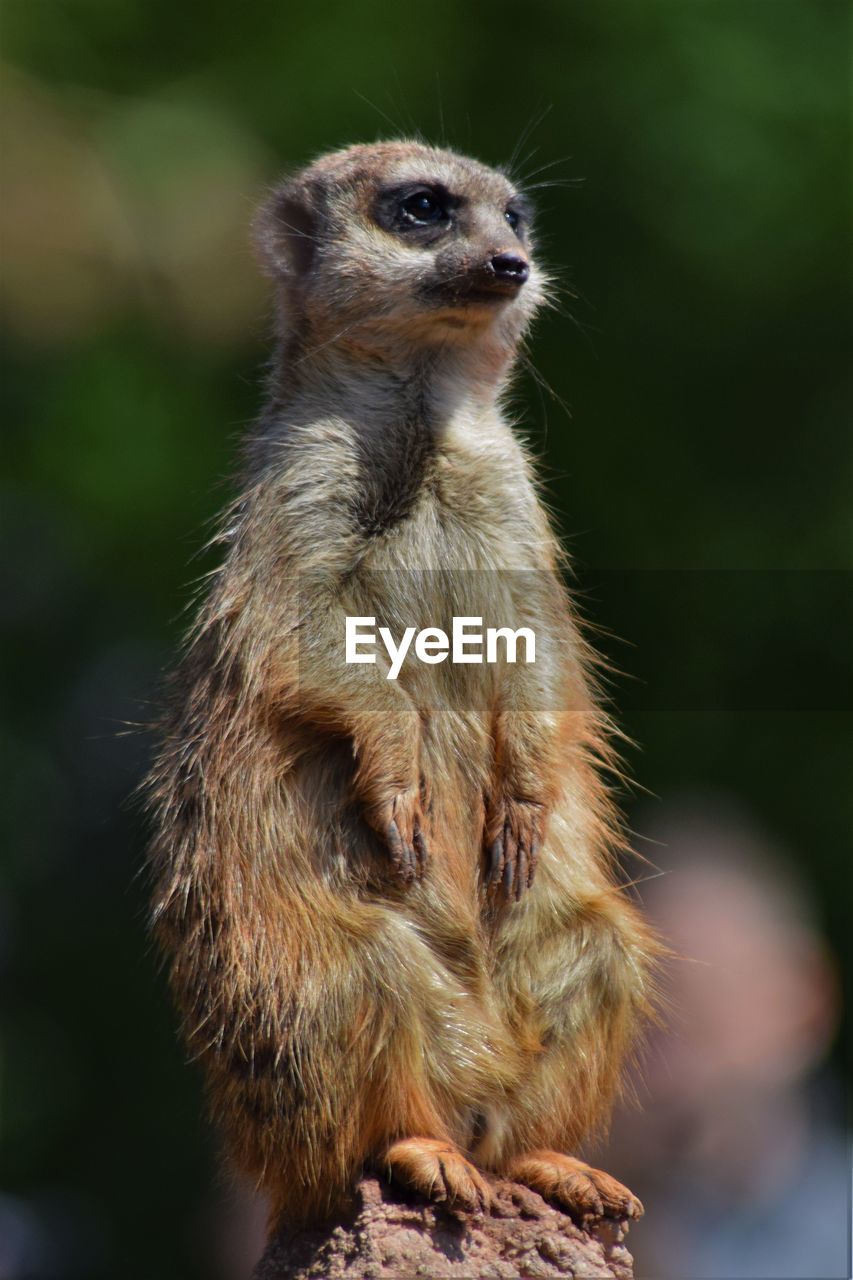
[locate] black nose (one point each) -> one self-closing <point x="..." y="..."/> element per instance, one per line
<point x="510" y="267"/>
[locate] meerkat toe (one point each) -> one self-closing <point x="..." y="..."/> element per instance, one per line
<point x="401" y="822"/>
<point x="465" y="1187"/>
<point x="436" y="1170"/>
<point x="494" y="872"/>
<point x="421" y="851"/>
<point x="402" y="858"/>
<point x="587" y="1193"/>
<point x="617" y="1200"/>
<point x="512" y="853"/>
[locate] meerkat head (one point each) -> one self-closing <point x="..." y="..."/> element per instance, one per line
<point x="401" y="243"/>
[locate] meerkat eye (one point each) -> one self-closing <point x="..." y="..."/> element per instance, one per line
<point x="422" y="208"/>
<point x="513" y="217"/>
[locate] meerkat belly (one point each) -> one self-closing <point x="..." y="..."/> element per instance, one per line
<point x="436" y="590"/>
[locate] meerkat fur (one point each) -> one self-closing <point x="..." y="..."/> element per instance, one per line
<point x="389" y="908"/>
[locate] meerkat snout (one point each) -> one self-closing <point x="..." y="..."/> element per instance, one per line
<point x="510" y="268"/>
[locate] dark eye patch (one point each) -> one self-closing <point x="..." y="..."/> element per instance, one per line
<point x="517" y="214"/>
<point x="413" y="207"/>
<point x="422" y="208"/>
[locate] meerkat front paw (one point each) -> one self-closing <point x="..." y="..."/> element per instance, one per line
<point x="400" y="821"/>
<point x="514" y="832"/>
<point x="587" y="1193"/>
<point x="438" y="1171"/>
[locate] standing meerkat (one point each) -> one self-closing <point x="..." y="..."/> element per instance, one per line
<point x="344" y="863"/>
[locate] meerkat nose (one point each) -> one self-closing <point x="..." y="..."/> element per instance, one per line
<point x="510" y="267"/>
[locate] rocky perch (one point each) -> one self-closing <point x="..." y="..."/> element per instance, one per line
<point x="390" y="1235"/>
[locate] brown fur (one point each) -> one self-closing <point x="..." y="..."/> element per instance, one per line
<point x="343" y="864"/>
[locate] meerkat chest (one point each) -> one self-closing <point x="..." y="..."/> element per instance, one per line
<point x="478" y="512"/>
<point x="454" y="526"/>
<point x="460" y="498"/>
<point x="453" y="572"/>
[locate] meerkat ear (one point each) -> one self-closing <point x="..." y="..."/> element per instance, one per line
<point x="286" y="228"/>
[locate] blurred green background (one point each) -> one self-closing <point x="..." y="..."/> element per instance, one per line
<point x="702" y="474"/>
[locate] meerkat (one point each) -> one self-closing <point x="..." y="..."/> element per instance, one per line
<point x="390" y="908"/>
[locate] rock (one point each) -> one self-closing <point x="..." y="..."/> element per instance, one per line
<point x="391" y="1235"/>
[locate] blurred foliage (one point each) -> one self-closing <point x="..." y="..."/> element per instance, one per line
<point x="707" y="448"/>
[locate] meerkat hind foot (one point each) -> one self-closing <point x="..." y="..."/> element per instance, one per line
<point x="438" y="1171"/>
<point x="587" y="1193"/>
